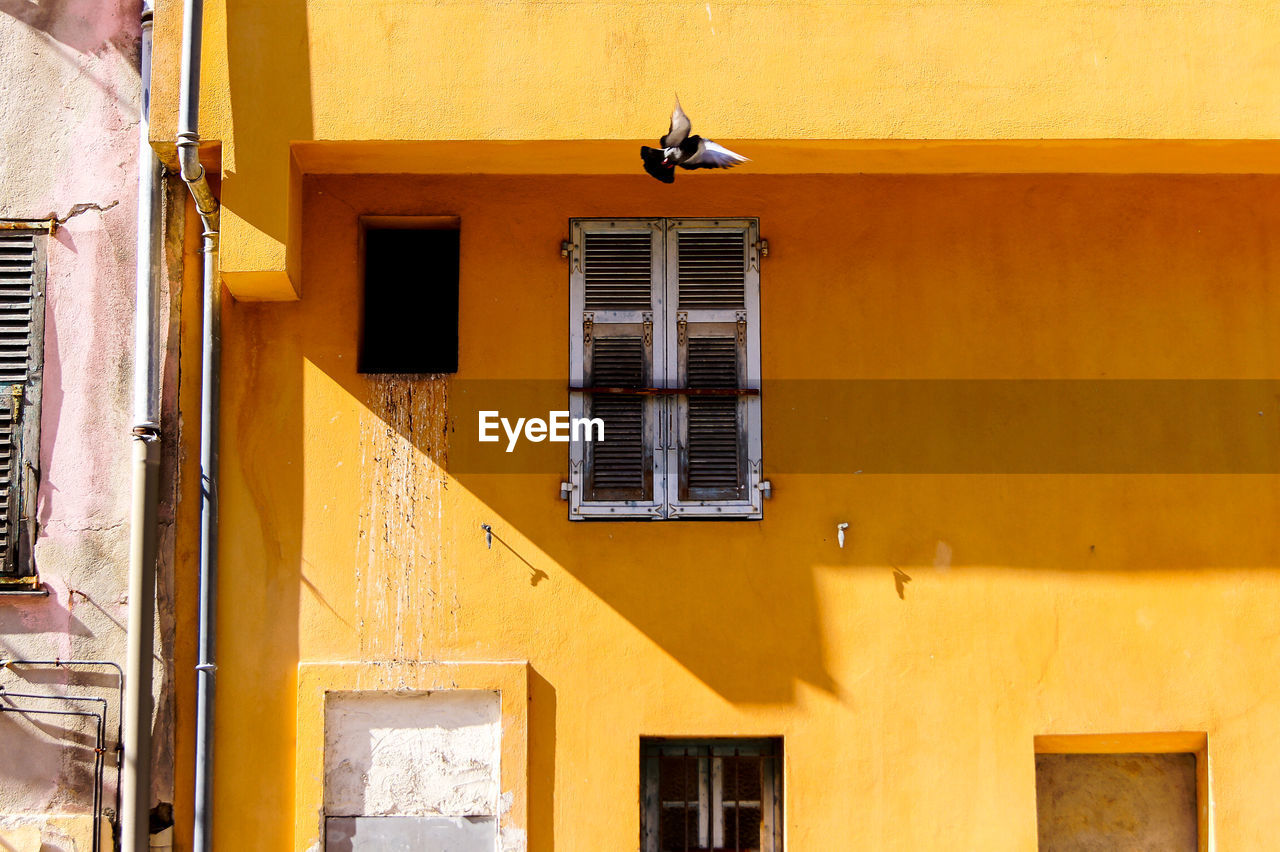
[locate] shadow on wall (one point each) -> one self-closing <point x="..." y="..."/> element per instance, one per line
<point x="259" y="487"/>
<point x="270" y="92"/>
<point x="929" y="275"/>
<point x="542" y="760"/>
<point x="38" y="615"/>
<point x="85" y="26"/>
<point x="55" y="756"/>
<point x="49" y="752"/>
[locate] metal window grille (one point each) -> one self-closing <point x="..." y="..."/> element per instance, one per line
<point x="722" y="795"/>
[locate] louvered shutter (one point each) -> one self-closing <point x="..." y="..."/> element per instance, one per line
<point x="616" y="343"/>
<point x="713" y="286"/>
<point x="21" y="325"/>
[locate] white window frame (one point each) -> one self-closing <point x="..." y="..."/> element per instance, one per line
<point x="668" y="420"/>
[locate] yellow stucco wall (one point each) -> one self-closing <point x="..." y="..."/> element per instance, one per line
<point x="282" y="71"/>
<point x="910" y="672"/>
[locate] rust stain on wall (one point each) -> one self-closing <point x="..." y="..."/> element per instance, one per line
<point x="406" y="597"/>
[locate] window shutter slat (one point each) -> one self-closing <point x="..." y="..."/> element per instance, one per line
<point x="621" y="465"/>
<point x="713" y="447"/>
<point x="21" y="261"/>
<point x="712" y="285"/>
<point x="712" y="459"/>
<point x="7" y="493"/>
<point x="15" y="305"/>
<point x="617" y="269"/>
<point x="615" y="344"/>
<point x="712" y="269"/>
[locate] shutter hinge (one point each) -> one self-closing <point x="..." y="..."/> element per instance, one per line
<point x="569" y="251"/>
<point x="16" y="392"/>
<point x="760" y="248"/>
<point x="764" y="486"/>
<point x="742" y="327"/>
<point x="682" y="326"/>
<point x="648" y="329"/>
<point x="575" y="476"/>
<point x="588" y="322"/>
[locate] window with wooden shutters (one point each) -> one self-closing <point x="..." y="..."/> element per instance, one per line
<point x="665" y="350"/>
<point x="719" y="795"/>
<point x="22" y="267"/>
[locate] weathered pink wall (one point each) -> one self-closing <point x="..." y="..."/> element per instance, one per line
<point x="69" y="101"/>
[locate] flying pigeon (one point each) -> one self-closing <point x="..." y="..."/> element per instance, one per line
<point x="688" y="152"/>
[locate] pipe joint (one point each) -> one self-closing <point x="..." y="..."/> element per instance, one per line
<point x="188" y="146"/>
<point x="193" y="174"/>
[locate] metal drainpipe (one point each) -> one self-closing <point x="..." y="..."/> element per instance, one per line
<point x="207" y="205"/>
<point x="135" y="782"/>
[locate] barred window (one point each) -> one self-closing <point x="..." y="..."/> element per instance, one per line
<point x="665" y="350"/>
<point x="711" y="795"/>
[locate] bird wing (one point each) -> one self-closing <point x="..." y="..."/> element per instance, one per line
<point x="713" y="156"/>
<point x="679" y="129"/>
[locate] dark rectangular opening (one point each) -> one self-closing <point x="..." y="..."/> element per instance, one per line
<point x="712" y="795"/>
<point x="410" y="316"/>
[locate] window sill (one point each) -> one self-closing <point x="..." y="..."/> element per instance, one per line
<point x="23" y="590"/>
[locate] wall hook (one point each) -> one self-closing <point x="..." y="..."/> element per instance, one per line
<point x="840" y="528"/>
<point x="488" y="535"/>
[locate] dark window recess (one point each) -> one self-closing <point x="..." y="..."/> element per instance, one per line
<point x="711" y="795"/>
<point x="410" y="301"/>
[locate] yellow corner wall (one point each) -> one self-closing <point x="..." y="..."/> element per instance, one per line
<point x="282" y="71"/>
<point x="910" y="672"/>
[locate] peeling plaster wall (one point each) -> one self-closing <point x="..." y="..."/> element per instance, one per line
<point x="388" y="754"/>
<point x="402" y="579"/>
<point x="68" y="139"/>
<point x="403" y="770"/>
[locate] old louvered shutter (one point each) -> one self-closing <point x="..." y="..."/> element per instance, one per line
<point x="713" y="285"/>
<point x="616" y="344"/>
<point x="21" y="325"/>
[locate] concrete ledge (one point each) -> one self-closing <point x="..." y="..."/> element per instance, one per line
<point x="261" y="257"/>
<point x="808" y="156"/>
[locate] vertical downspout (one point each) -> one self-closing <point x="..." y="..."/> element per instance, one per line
<point x="135" y="784"/>
<point x="193" y="174"/>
